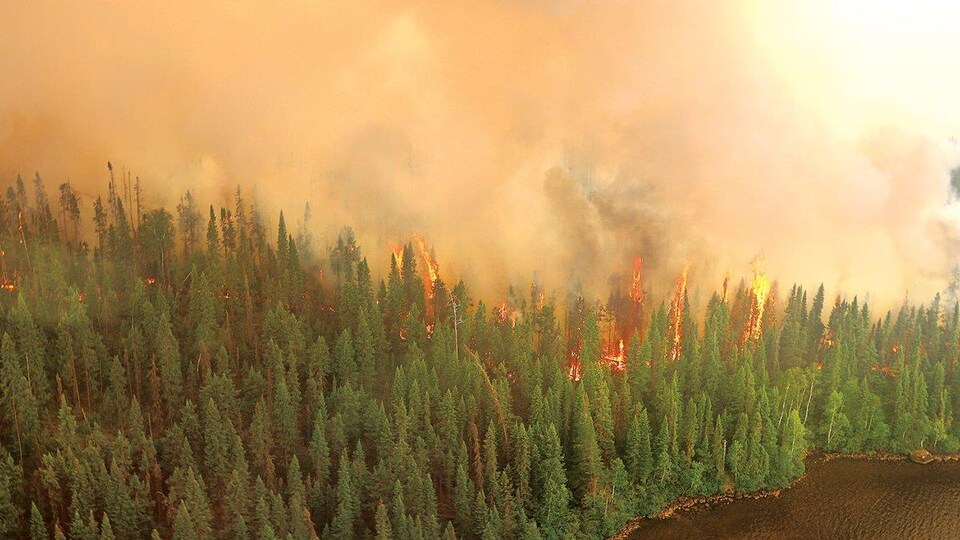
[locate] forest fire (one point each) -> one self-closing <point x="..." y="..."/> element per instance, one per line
<point x="506" y="313"/>
<point x="431" y="263"/>
<point x="884" y="369"/>
<point x="398" y="259"/>
<point x="575" y="373"/>
<point x="676" y="315"/>
<point x="616" y="360"/>
<point x="827" y="340"/>
<point x="636" y="286"/>
<point x="760" y="290"/>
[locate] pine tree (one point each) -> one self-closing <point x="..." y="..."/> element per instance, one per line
<point x="638" y="453"/>
<point x="348" y="502"/>
<point x="38" y="530"/>
<point x="550" y="482"/>
<point x="382" y="521"/>
<point x="584" y="452"/>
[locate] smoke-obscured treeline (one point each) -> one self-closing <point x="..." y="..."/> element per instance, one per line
<point x="196" y="372"/>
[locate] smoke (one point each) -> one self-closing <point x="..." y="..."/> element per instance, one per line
<point x="521" y="138"/>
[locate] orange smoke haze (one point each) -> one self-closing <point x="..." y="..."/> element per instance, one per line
<point x="522" y="138"/>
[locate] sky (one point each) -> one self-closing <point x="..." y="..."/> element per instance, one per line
<point x="523" y="139"/>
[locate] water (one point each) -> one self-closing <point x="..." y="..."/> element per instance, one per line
<point x="843" y="498"/>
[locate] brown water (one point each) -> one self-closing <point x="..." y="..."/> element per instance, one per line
<point x="843" y="498"/>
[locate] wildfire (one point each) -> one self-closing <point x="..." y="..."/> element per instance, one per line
<point x="403" y="334"/>
<point x="676" y="311"/>
<point x="886" y="370"/>
<point x="430" y="262"/>
<point x="761" y="290"/>
<point x="398" y="258"/>
<point x="430" y="328"/>
<point x="8" y="286"/>
<point x="575" y="373"/>
<point x="827" y="340"/>
<point x="636" y="286"/>
<point x="150" y="280"/>
<point x="616" y="361"/>
<point x="505" y="313"/>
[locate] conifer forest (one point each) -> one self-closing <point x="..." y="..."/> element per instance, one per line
<point x="203" y="371"/>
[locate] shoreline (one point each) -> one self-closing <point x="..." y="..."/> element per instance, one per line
<point x="815" y="458"/>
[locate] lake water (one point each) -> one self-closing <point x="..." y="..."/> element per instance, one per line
<point x="843" y="498"/>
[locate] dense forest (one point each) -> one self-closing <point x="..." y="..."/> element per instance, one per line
<point x="185" y="374"/>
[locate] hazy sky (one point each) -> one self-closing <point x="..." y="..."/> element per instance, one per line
<point x="523" y="138"/>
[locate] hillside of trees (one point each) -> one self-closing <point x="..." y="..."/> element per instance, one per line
<point x="185" y="373"/>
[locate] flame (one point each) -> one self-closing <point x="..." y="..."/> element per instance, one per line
<point x="403" y="334"/>
<point x="617" y="361"/>
<point x="827" y="340"/>
<point x="8" y="286"/>
<point x="398" y="258"/>
<point x="575" y="373"/>
<point x="430" y="283"/>
<point x="430" y="262"/>
<point x="541" y="300"/>
<point x="430" y="328"/>
<point x="636" y="286"/>
<point x="760" y="290"/>
<point x="885" y="369"/>
<point x="505" y="313"/>
<point x="676" y="312"/>
<point x="150" y="280"/>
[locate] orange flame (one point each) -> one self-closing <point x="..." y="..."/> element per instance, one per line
<point x="398" y="258"/>
<point x="575" y="373"/>
<point x="827" y="340"/>
<point x="636" y="286"/>
<point x="616" y="361"/>
<point x="676" y="311"/>
<point x="760" y="290"/>
<point x="430" y="262"/>
<point x="150" y="280"/>
<point x="430" y="283"/>
<point x="505" y="313"/>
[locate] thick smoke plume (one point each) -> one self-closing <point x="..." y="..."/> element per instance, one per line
<point x="523" y="139"/>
